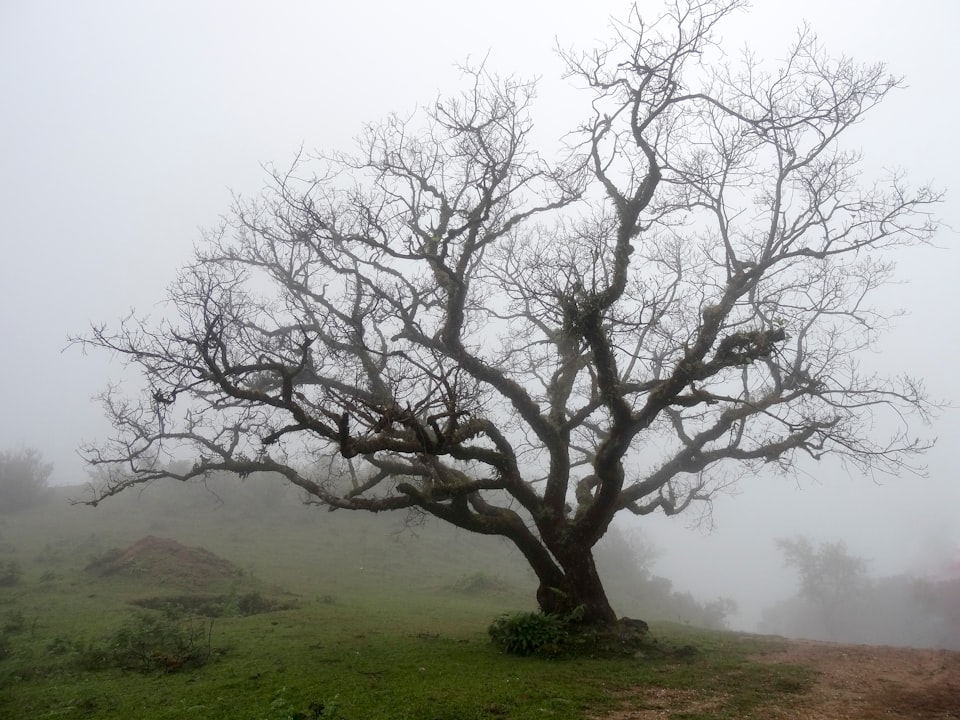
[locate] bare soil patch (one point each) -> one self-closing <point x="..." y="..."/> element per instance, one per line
<point x="861" y="681"/>
<point x="852" y="682"/>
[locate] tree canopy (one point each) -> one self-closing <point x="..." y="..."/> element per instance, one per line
<point x="447" y="320"/>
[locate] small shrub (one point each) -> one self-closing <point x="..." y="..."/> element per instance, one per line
<point x="102" y="563"/>
<point x="234" y="604"/>
<point x="51" y="553"/>
<point x="253" y="603"/>
<point x="479" y="583"/>
<point x="92" y="657"/>
<point x="526" y="633"/>
<point x="152" y="643"/>
<point x="60" y="646"/>
<point x="13" y="621"/>
<point x="10" y="573"/>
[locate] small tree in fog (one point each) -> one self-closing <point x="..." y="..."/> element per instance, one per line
<point x="23" y="479"/>
<point x="830" y="577"/>
<point x="526" y="346"/>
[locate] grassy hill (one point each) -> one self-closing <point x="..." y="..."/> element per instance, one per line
<point x="237" y="601"/>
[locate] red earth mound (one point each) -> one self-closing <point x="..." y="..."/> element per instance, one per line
<point x="167" y="562"/>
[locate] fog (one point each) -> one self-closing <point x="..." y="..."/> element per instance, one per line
<point x="128" y="127"/>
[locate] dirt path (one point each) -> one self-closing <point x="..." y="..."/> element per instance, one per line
<point x="860" y="682"/>
<point x="853" y="682"/>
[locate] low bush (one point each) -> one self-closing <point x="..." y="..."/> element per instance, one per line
<point x="163" y="644"/>
<point x="13" y="621"/>
<point x="9" y="573"/>
<point x="102" y="562"/>
<point x="479" y="583"/>
<point x="152" y="643"/>
<point x="233" y="604"/>
<point x="526" y="633"/>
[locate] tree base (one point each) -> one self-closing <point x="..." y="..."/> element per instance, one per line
<point x="626" y="637"/>
<point x="548" y="635"/>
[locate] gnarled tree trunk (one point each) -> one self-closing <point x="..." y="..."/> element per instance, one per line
<point x="580" y="590"/>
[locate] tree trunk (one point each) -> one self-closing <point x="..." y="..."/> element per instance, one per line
<point x="580" y="587"/>
<point x="567" y="574"/>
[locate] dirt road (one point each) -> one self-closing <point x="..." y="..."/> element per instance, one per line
<point x="853" y="682"/>
<point x="860" y="682"/>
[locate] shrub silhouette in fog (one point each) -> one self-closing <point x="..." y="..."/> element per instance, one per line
<point x="838" y="600"/>
<point x="23" y="479"/>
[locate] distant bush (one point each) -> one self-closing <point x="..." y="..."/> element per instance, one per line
<point x="838" y="600"/>
<point x="233" y="604"/>
<point x="23" y="479"/>
<point x="9" y="573"/>
<point x="13" y="622"/>
<point x="151" y="643"/>
<point x="104" y="562"/>
<point x="479" y="583"/>
<point x="899" y="610"/>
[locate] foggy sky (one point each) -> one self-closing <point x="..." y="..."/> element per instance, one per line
<point x="127" y="125"/>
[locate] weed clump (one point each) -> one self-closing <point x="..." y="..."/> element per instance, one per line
<point x="528" y="633"/>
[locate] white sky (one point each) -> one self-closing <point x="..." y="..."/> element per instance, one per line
<point x="125" y="126"/>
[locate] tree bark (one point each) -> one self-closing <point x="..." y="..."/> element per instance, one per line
<point x="580" y="590"/>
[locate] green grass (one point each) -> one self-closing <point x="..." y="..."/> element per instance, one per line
<point x="387" y="624"/>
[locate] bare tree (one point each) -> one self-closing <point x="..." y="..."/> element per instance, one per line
<point x="526" y="348"/>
